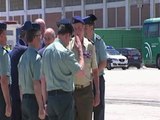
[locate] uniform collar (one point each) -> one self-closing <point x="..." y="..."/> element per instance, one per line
<point x="32" y="48"/>
<point x="85" y="42"/>
<point x="60" y="41"/>
<point x="94" y="37"/>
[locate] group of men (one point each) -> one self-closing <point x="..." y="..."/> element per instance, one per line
<point x="63" y="80"/>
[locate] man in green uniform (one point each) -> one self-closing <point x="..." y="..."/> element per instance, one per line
<point x="5" y="102"/>
<point x="83" y="94"/>
<point x="29" y="76"/>
<point x="101" y="61"/>
<point x="58" y="67"/>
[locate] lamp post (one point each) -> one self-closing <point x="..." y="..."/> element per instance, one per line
<point x="127" y="16"/>
<point x="152" y="9"/>
<point x="140" y="5"/>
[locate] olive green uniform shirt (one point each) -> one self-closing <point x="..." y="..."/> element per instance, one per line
<point x="29" y="68"/>
<point x="89" y="61"/>
<point x="4" y="62"/>
<point x="58" y="66"/>
<point x="100" y="50"/>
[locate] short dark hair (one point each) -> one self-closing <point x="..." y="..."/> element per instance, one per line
<point x="22" y="34"/>
<point x="31" y="34"/>
<point x="63" y="29"/>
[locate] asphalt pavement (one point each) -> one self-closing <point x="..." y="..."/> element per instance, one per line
<point x="132" y="94"/>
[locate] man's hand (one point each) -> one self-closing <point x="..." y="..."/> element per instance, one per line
<point x="96" y="100"/>
<point x="78" y="46"/>
<point x="41" y="114"/>
<point x="77" y="43"/>
<point x="8" y="111"/>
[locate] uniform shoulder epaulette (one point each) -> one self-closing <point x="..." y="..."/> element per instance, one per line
<point x="5" y="49"/>
<point x="98" y="37"/>
<point x="91" y="41"/>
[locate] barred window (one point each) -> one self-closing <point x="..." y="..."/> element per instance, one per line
<point x="93" y="1"/>
<point x="2" y="5"/>
<point x="16" y="5"/>
<point x="53" y="3"/>
<point x="34" y="4"/>
<point x="72" y="2"/>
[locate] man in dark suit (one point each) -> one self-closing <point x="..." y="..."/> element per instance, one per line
<point x="15" y="55"/>
<point x="22" y="40"/>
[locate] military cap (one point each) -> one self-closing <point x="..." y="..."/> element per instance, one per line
<point x="90" y="19"/>
<point x="77" y="19"/>
<point x="28" y="25"/>
<point x="3" y="26"/>
<point x="63" y="21"/>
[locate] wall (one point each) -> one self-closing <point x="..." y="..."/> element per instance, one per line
<point x="121" y="38"/>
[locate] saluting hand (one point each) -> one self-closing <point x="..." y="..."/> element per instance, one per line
<point x="77" y="43"/>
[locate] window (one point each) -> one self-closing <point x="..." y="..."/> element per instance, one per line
<point x="2" y="5"/>
<point x="145" y="30"/>
<point x="114" y="0"/>
<point x="53" y="3"/>
<point x="124" y="52"/>
<point x="72" y="2"/>
<point x="134" y="52"/>
<point x="34" y="4"/>
<point x="16" y="5"/>
<point x="153" y="30"/>
<point x="93" y="1"/>
<point x="10" y="32"/>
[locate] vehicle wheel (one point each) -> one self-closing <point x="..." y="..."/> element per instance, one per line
<point x="158" y="62"/>
<point x="124" y="68"/>
<point x="138" y="66"/>
<point x="109" y="66"/>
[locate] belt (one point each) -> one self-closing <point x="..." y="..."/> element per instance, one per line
<point x="29" y="96"/>
<point x="57" y="92"/>
<point x="77" y="87"/>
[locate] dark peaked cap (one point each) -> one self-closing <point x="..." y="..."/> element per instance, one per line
<point x="29" y="26"/>
<point x="3" y="26"/>
<point x="77" y="19"/>
<point x="90" y="19"/>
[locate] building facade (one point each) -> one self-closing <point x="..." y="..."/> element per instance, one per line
<point x="123" y="14"/>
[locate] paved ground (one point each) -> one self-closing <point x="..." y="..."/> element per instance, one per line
<point x="132" y="94"/>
